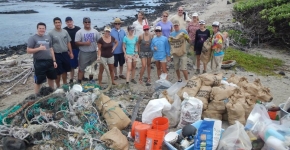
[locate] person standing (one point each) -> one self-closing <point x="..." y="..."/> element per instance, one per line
<point x="217" y="47"/>
<point x="119" y="57"/>
<point x="180" y="62"/>
<point x="192" y="27"/>
<point x="165" y="24"/>
<point x="145" y="53"/>
<point x="72" y="30"/>
<point x="86" y="39"/>
<point x="139" y="23"/>
<point x="161" y="51"/>
<point x="106" y="46"/>
<point x="130" y="52"/>
<point x="181" y="17"/>
<point x="62" y="50"/>
<point x="202" y="34"/>
<point x="43" y="58"/>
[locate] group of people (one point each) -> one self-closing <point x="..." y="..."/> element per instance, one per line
<point x="65" y="49"/>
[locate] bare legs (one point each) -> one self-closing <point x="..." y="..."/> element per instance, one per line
<point x="161" y="66"/>
<point x="37" y="86"/>
<point x="131" y="69"/>
<point x="111" y="69"/>
<point x="146" y="62"/>
<point x="64" y="79"/>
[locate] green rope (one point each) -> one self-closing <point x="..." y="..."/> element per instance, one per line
<point x="6" y="112"/>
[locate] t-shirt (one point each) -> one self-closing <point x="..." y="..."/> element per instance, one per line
<point x="139" y="27"/>
<point x="88" y="35"/>
<point x="59" y="40"/>
<point x="106" y="48"/>
<point x="72" y="33"/>
<point x="35" y="41"/>
<point x="118" y="35"/>
<point x="217" y="42"/>
<point x="166" y="27"/>
<point x="200" y="38"/>
<point x="191" y="29"/>
<point x="181" y="20"/>
<point x="174" y="33"/>
<point x="130" y="44"/>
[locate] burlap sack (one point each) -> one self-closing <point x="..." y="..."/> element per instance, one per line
<point x="113" y="114"/>
<point x="249" y="104"/>
<point x="114" y="139"/>
<point x="203" y="95"/>
<point x="221" y="92"/>
<point x="235" y="112"/>
<point x="178" y="44"/>
<point x="242" y="81"/>
<point x="251" y="88"/>
<point x="191" y="88"/>
<point x="212" y="114"/>
<point x="239" y="95"/>
<point x="234" y="79"/>
<point x="206" y="52"/>
<point x="217" y="106"/>
<point x="265" y="95"/>
<point x="209" y="79"/>
<point x="225" y="116"/>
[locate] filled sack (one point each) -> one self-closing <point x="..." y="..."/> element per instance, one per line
<point x="111" y="111"/>
<point x="191" y="110"/>
<point x="206" y="52"/>
<point x="218" y="106"/>
<point x="114" y="139"/>
<point x="178" y="45"/>
<point x="203" y="95"/>
<point x="234" y="79"/>
<point x="212" y="114"/>
<point x="209" y="79"/>
<point x="221" y="92"/>
<point x="264" y="95"/>
<point x="235" y="137"/>
<point x="235" y="111"/>
<point x="154" y="109"/>
<point x="242" y="81"/>
<point x="191" y="88"/>
<point x="174" y="113"/>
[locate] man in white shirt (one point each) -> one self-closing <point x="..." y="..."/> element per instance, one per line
<point x="181" y="17"/>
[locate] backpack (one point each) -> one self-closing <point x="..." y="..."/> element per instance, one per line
<point x="224" y="43"/>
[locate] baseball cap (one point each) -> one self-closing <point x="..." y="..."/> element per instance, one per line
<point x="86" y="19"/>
<point x="68" y="19"/>
<point x="201" y="22"/>
<point x="145" y="27"/>
<point x="216" y="24"/>
<point x="194" y="14"/>
<point x="107" y="28"/>
<point x="175" y="22"/>
<point x="158" y="28"/>
<point x="131" y="28"/>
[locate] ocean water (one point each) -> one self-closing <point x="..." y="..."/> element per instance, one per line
<point x="16" y="28"/>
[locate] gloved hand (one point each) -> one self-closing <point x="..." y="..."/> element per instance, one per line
<point x="170" y="39"/>
<point x="186" y="36"/>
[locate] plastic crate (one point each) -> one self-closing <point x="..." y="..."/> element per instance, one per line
<point x="191" y="147"/>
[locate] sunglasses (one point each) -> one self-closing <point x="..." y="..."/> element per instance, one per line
<point x="87" y="22"/>
<point x="180" y="10"/>
<point x="117" y="23"/>
<point x="146" y="30"/>
<point x="157" y="30"/>
<point x="165" y="16"/>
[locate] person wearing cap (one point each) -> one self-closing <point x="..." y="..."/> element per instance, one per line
<point x="39" y="45"/>
<point x="180" y="62"/>
<point x="145" y="53"/>
<point x="217" y="47"/>
<point x="130" y="53"/>
<point x="62" y="51"/>
<point x="139" y="23"/>
<point x="86" y="39"/>
<point x="161" y="51"/>
<point x="202" y="34"/>
<point x="166" y="25"/>
<point x="106" y="47"/>
<point x="119" y="57"/>
<point x="181" y="17"/>
<point x="72" y="30"/>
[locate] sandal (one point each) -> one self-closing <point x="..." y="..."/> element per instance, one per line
<point x="148" y="80"/>
<point x="140" y="81"/>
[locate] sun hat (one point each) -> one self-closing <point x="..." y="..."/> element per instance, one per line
<point x="216" y="24"/>
<point x="175" y="22"/>
<point x="117" y="20"/>
<point x="145" y="27"/>
<point x="107" y="28"/>
<point x="194" y="14"/>
<point x="158" y="28"/>
<point x="201" y="22"/>
<point x="68" y="19"/>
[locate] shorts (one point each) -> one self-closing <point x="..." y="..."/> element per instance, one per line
<point x="163" y="60"/>
<point x="180" y="63"/>
<point x="74" y="63"/>
<point x="145" y="54"/>
<point x="119" y="58"/>
<point x="131" y="58"/>
<point x="108" y="60"/>
<point x="63" y="62"/>
<point x="86" y="59"/>
<point x="197" y="51"/>
<point x="43" y="69"/>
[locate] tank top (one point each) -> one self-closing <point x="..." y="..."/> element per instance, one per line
<point x="145" y="45"/>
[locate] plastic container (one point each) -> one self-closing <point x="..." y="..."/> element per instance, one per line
<point x="272" y="114"/>
<point x="135" y="123"/>
<point x="77" y="87"/>
<point x="160" y="123"/>
<point x="140" y="135"/>
<point x="154" y="139"/>
<point x="282" y="111"/>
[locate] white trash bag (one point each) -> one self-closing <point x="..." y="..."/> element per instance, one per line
<point x="154" y="109"/>
<point x="162" y="83"/>
<point x="235" y="137"/>
<point x="174" y="113"/>
<point x="172" y="90"/>
<point x="191" y="110"/>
